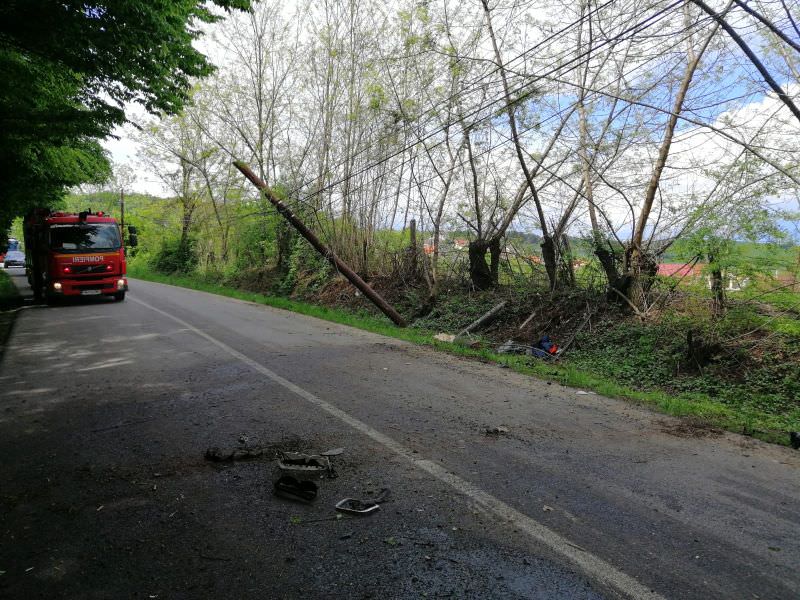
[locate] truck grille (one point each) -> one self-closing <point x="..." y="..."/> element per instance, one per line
<point x="94" y="286"/>
<point x="95" y="277"/>
<point x="82" y="269"/>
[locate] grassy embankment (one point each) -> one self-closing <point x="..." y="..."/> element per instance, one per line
<point x="9" y="300"/>
<point x="635" y="363"/>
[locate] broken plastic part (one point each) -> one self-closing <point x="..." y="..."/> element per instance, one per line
<point x="356" y="507"/>
<point x="303" y="463"/>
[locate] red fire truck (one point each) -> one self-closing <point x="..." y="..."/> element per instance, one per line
<point x="70" y="254"/>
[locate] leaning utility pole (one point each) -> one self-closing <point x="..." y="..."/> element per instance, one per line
<point x="122" y="215"/>
<point x="338" y="264"/>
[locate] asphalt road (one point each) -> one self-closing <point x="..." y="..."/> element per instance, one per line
<point x="107" y="410"/>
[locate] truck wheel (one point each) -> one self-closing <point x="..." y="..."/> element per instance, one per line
<point x="119" y="296"/>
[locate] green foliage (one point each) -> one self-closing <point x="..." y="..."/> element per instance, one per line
<point x="307" y="268"/>
<point x="9" y="296"/>
<point x="175" y="256"/>
<point x="749" y="377"/>
<point x="377" y="96"/>
<point x="255" y="243"/>
<point x="67" y="67"/>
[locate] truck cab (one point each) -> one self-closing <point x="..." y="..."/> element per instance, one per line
<point x="74" y="254"/>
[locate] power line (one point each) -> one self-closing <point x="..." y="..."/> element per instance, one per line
<point x="432" y="110"/>
<point x="507" y="139"/>
<point x="641" y="26"/>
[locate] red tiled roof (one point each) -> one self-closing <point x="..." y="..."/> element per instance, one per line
<point x="679" y="270"/>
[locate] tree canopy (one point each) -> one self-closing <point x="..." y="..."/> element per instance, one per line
<point x="69" y="67"/>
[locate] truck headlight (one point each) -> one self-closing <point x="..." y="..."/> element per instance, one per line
<point x="57" y="286"/>
<point x="120" y="284"/>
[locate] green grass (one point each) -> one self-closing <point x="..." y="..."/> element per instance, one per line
<point x="9" y="299"/>
<point x="739" y="418"/>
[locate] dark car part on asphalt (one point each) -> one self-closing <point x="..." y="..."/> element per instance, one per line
<point x="297" y="462"/>
<point x="363" y="507"/>
<point x="289" y="487"/>
<point x="356" y="507"/>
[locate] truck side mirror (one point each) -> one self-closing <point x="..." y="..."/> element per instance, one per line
<point x="132" y="230"/>
<point x="133" y="240"/>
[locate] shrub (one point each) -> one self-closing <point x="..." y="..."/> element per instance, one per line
<point x="175" y="256"/>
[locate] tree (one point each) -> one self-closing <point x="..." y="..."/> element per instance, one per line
<point x="68" y="68"/>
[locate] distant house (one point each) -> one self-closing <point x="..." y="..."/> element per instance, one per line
<point x="734" y="283"/>
<point x="687" y="273"/>
<point x="679" y="270"/>
<point x="579" y="263"/>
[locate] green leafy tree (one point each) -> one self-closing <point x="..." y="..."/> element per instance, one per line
<point x="67" y="69"/>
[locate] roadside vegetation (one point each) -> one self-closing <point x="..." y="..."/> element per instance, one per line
<point x="9" y="300"/>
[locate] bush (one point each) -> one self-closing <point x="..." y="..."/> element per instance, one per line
<point x="174" y="256"/>
<point x="308" y="270"/>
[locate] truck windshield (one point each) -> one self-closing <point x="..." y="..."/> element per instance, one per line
<point x="84" y="237"/>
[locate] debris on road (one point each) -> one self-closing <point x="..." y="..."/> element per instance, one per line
<point x="363" y="507"/>
<point x="289" y="487"/>
<point x="332" y="452"/>
<point x="356" y="507"/>
<point x="585" y="393"/>
<point x="304" y="463"/>
<point x="499" y="430"/>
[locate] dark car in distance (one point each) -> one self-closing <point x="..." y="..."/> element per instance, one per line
<point x="14" y="258"/>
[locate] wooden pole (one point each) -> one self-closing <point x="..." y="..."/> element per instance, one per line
<point x="413" y="245"/>
<point x="122" y="215"/>
<point x="338" y="264"/>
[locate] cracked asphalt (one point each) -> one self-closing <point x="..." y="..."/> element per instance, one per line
<point x="107" y="409"/>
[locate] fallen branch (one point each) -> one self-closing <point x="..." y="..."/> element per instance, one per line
<point x="528" y="320"/>
<point x="482" y="321"/>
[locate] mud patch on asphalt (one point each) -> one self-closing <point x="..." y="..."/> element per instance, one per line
<point x="690" y="427"/>
<point x="247" y="449"/>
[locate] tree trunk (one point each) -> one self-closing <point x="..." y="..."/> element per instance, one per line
<point x="717" y="288"/>
<point x="550" y="260"/>
<point x="284" y="242"/>
<point x="494" y="261"/>
<point x="479" y="272"/>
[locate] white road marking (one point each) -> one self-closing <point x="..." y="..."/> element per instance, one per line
<point x="592" y="565"/>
